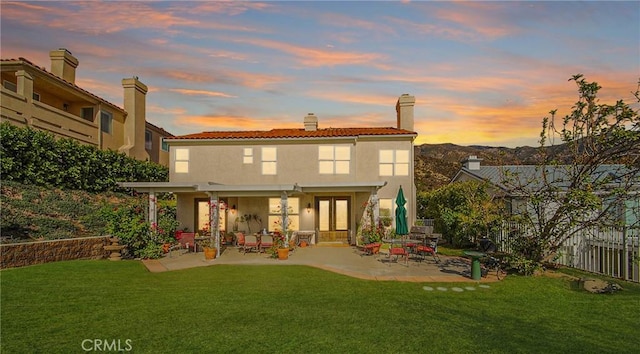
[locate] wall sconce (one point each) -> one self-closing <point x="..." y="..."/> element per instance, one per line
<point x="308" y="207"/>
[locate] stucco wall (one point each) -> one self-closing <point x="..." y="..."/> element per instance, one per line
<point x="29" y="253"/>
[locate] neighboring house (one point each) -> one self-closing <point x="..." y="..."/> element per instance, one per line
<point x="316" y="179"/>
<point x="51" y="101"/>
<point x="507" y="181"/>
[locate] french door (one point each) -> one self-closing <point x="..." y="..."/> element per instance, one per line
<point x="333" y="218"/>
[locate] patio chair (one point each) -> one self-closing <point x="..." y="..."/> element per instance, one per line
<point x="239" y="239"/>
<point x="250" y="243"/>
<point x="430" y="247"/>
<point x="186" y="240"/>
<point x="266" y="241"/>
<point x="398" y="251"/>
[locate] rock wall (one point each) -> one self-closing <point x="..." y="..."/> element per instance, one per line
<point x="28" y="253"/>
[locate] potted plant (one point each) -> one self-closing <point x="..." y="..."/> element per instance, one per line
<point x="210" y="250"/>
<point x="279" y="249"/>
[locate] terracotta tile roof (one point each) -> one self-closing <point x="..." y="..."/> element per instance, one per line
<point x="296" y="133"/>
<point x="43" y="70"/>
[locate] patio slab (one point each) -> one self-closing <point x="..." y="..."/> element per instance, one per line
<point x="343" y="260"/>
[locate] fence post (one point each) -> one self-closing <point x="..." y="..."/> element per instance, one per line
<point x="625" y="271"/>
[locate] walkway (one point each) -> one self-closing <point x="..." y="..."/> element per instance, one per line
<point x="343" y="260"/>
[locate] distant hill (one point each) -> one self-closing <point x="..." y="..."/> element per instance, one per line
<point x="437" y="164"/>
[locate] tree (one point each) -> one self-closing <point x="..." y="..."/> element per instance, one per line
<point x="559" y="200"/>
<point x="463" y="211"/>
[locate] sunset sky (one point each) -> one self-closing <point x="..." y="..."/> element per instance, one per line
<point x="483" y="73"/>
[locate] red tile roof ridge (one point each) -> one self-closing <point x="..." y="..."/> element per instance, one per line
<point x="284" y="133"/>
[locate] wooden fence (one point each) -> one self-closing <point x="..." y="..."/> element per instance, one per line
<point x="614" y="252"/>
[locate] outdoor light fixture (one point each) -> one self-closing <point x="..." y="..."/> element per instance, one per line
<point x="233" y="209"/>
<point x="308" y="207"/>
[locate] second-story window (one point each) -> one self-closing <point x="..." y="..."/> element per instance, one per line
<point x="334" y="160"/>
<point x="181" y="164"/>
<point x="247" y="156"/>
<point x="87" y="113"/>
<point x="148" y="140"/>
<point x="165" y="145"/>
<point x="394" y="163"/>
<point x="106" y="122"/>
<point x="269" y="161"/>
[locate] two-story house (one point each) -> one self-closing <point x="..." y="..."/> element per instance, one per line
<point x="51" y="101"/>
<point x="315" y="178"/>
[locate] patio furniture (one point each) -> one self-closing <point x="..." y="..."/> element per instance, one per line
<point x="250" y="243"/>
<point x="371" y="248"/>
<point x="186" y="241"/>
<point x="430" y="247"/>
<point x="304" y="235"/>
<point x="266" y="241"/>
<point x="239" y="239"/>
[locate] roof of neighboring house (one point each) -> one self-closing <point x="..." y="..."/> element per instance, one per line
<point x="160" y="130"/>
<point x="24" y="61"/>
<point x="296" y="133"/>
<point x="530" y="177"/>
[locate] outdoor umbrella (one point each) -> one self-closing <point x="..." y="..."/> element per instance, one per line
<point x="401" y="214"/>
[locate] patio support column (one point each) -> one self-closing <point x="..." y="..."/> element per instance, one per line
<point x="214" y="212"/>
<point x="153" y="208"/>
<point x="284" y="210"/>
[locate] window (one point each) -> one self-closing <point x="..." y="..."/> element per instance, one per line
<point x="36" y="96"/>
<point x="10" y="86"/>
<point x="269" y="161"/>
<point x="106" y="122"/>
<point x="247" y="155"/>
<point x="165" y="145"/>
<point x="394" y="163"/>
<point x="334" y="160"/>
<point x="148" y="140"/>
<point x="275" y="215"/>
<point x="203" y="212"/>
<point x="386" y="211"/>
<point x="182" y="161"/>
<point x="87" y="113"/>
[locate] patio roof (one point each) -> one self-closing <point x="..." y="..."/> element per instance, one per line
<point x="251" y="190"/>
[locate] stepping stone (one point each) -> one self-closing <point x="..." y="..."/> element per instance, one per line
<point x="442" y="289"/>
<point x="458" y="290"/>
<point x="427" y="288"/>
<point x="484" y="286"/>
<point x="470" y="288"/>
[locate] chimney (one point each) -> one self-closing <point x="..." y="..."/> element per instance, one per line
<point x="63" y="64"/>
<point x="135" y="95"/>
<point x="472" y="163"/>
<point x="310" y="122"/>
<point x="404" y="110"/>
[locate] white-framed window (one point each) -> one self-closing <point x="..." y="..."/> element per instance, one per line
<point x="334" y="159"/>
<point x="106" y="122"/>
<point x="275" y="214"/>
<point x="269" y="161"/>
<point x="394" y="162"/>
<point x="148" y="139"/>
<point x="87" y="113"/>
<point x="165" y="145"/>
<point x="181" y="163"/>
<point x="247" y="155"/>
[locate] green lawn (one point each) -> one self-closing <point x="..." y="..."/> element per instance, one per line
<point x="53" y="308"/>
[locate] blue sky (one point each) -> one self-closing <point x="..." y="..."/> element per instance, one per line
<point x="483" y="73"/>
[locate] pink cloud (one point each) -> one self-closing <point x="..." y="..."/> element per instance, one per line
<point x="189" y="92"/>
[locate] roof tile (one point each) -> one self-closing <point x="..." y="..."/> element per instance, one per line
<point x="296" y="133"/>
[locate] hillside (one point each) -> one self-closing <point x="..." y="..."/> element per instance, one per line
<point x="437" y="164"/>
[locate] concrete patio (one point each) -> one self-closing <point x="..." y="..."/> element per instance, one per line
<point x="343" y="260"/>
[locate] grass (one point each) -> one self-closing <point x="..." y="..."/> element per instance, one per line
<point x="53" y="307"/>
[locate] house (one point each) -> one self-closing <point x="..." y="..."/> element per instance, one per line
<point x="517" y="182"/>
<point x="613" y="251"/>
<point x="51" y="101"/>
<point x="314" y="179"/>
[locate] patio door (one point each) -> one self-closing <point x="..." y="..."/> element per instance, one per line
<point x="333" y="218"/>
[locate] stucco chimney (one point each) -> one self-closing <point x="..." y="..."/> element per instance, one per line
<point x="63" y="64"/>
<point x="404" y="110"/>
<point x="472" y="163"/>
<point x="135" y="95"/>
<point x="311" y="122"/>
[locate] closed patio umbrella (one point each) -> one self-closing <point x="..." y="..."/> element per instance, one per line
<point x="401" y="214"/>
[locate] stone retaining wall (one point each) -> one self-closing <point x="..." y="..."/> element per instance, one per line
<point x="28" y="253"/>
